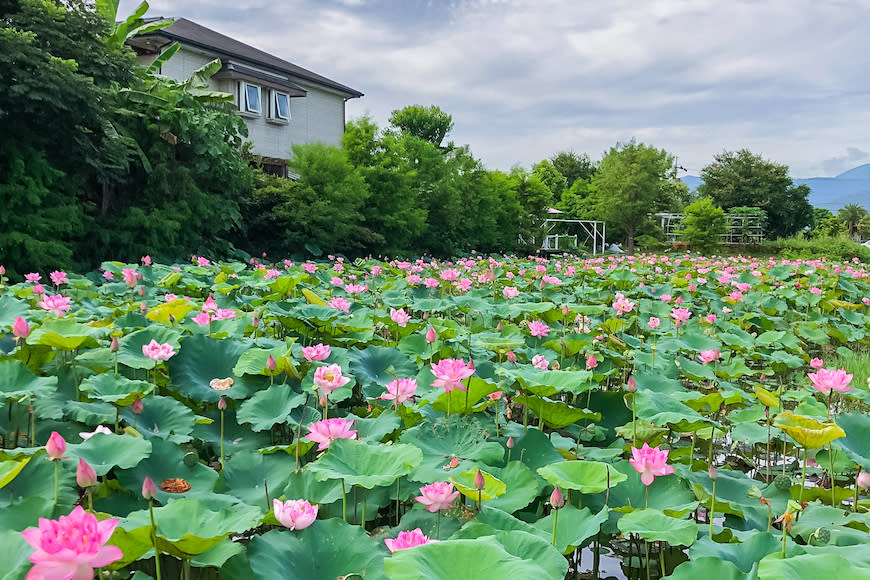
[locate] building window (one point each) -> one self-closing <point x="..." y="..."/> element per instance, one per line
<point x="280" y="106"/>
<point x="251" y="94"/>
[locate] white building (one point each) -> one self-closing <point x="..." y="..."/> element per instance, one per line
<point x="283" y="104"/>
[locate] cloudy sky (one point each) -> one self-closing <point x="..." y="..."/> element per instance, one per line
<point x="525" y="79"/>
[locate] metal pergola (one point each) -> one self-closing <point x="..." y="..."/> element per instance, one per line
<point x="591" y="230"/>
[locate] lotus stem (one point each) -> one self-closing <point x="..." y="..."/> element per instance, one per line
<point x="438" y="526"/>
<point x="56" y="481"/>
<point x="804" y="479"/>
<point x="833" y="483"/>
<point x="855" y="503"/>
<point x="712" y="508"/>
<point x="343" y="502"/>
<point x="363" y="518"/>
<point x="555" y="525"/>
<point x="154" y="538"/>
<point x="222" y="439"/>
<point x="767" y="461"/>
<point x="646" y="553"/>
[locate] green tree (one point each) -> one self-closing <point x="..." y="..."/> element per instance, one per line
<point x="741" y="178"/>
<point x="574" y="166"/>
<point x="851" y="216"/>
<point x="579" y="201"/>
<point x="703" y="225"/>
<point x="630" y="185"/>
<point x="328" y="207"/>
<point x="428" y="123"/>
<point x="550" y="176"/>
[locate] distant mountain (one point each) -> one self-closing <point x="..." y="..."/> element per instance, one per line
<point x="831" y="193"/>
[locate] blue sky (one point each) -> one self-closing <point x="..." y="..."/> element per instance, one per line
<point x="525" y="79"/>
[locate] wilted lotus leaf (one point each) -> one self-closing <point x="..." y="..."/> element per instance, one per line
<point x="809" y="433"/>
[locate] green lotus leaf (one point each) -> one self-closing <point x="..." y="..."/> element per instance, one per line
<point x="303" y="484"/>
<point x="11" y="308"/>
<point x="546" y="383"/>
<point x="461" y="438"/>
<point x="669" y="409"/>
<point x="707" y="567"/>
<point x="36" y="479"/>
<point x="130" y="346"/>
<point x="522" y="486"/>
<point x="373" y="429"/>
<point x="17" y="382"/>
<point x="358" y="463"/>
<point x="653" y="525"/>
<point x="770" y="337"/>
<point x="497" y="343"/>
<point x="248" y="474"/>
<point x="116" y="389"/>
<point x="809" y="433"/>
<point x="90" y="413"/>
<point x="204" y="358"/>
<point x="253" y="361"/>
<point x="584" y="476"/>
<point x="555" y="414"/>
<point x="743" y="555"/>
<point x="188" y="527"/>
<point x="326" y="549"/>
<point x="857" y="428"/>
<point x="573" y="526"/>
<point x="670" y="494"/>
<point x="809" y="567"/>
<point x="481" y="559"/>
<point x="66" y="334"/>
<point x="167" y="462"/>
<point x="217" y="555"/>
<point x="15" y="554"/>
<point x="9" y="468"/>
<point x="103" y="451"/>
<point x="465" y="402"/>
<point x="464" y="482"/>
<point x="266" y="408"/>
<point x="376" y="366"/>
<point x="162" y="418"/>
<point x="695" y="370"/>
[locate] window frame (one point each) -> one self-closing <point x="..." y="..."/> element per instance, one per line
<point x="245" y="102"/>
<point x="276" y="110"/>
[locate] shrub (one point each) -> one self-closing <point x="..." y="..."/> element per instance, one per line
<point x="837" y="249"/>
<point x="703" y="225"/>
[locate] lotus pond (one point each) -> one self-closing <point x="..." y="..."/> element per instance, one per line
<point x="487" y="418"/>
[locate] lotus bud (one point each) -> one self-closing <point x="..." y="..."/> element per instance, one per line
<point x="499" y="326"/>
<point x="149" y="489"/>
<point x="510" y="443"/>
<point x="323" y="401"/>
<point x="255" y="322"/>
<point x="863" y="480"/>
<point x="138" y="406"/>
<point x="479" y="481"/>
<point x="114" y="345"/>
<point x="85" y="474"/>
<point x="425" y="316"/>
<point x="511" y="357"/>
<point x="141" y="290"/>
<point x="565" y="310"/>
<point x="632" y="385"/>
<point x="143" y="307"/>
<point x="55" y="447"/>
<point x="222" y="404"/>
<point x="556" y="499"/>
<point x="271" y="363"/>
<point x="555" y="365"/>
<point x="2" y="270"/>
<point x="430" y="335"/>
<point x="20" y="329"/>
<point x="712" y="472"/>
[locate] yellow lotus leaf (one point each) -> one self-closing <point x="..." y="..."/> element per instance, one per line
<point x="313" y="298"/>
<point x="808" y="432"/>
<point x="767" y="398"/>
<point x="177" y="309"/>
<point x="493" y="487"/>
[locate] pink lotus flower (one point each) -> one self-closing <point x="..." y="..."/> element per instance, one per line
<point x="710" y="318"/>
<point x="158" y="352"/>
<point x="355" y="288"/>
<point x="540" y="361"/>
<point x="329" y="378"/>
<point x="146" y="260"/>
<point x="430" y="283"/>
<point x="863" y="480"/>
<point x="591" y="362"/>
<point x="326" y="431"/>
<point x="58" y="277"/>
<point x="309" y="267"/>
<point x="339" y="303"/>
<point x="224" y="314"/>
<point x="449" y="274"/>
<point x="296" y="514"/>
<point x="437" y="496"/>
<point x="708" y="356"/>
<point x="318" y="352"/>
<point x="450" y="372"/>
<point x="100" y="429"/>
<point x="827" y="380"/>
<point x="510" y="292"/>
<point x="650" y="462"/>
<point x="55" y="447"/>
<point x="131" y="277"/>
<point x="71" y="546"/>
<point x="57" y="305"/>
<point x="85" y="474"/>
<point x="622" y="305"/>
<point x="202" y="319"/>
<point x="680" y="315"/>
<point x="38" y="289"/>
<point x="33" y="277"/>
<point x="407" y="540"/>
<point x="817" y="363"/>
<point x="400" y="390"/>
<point x="108" y="275"/>
<point x="20" y="328"/>
<point x="653" y="322"/>
<point x="538" y="328"/>
<point x="399" y="316"/>
<point x="430" y="335"/>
